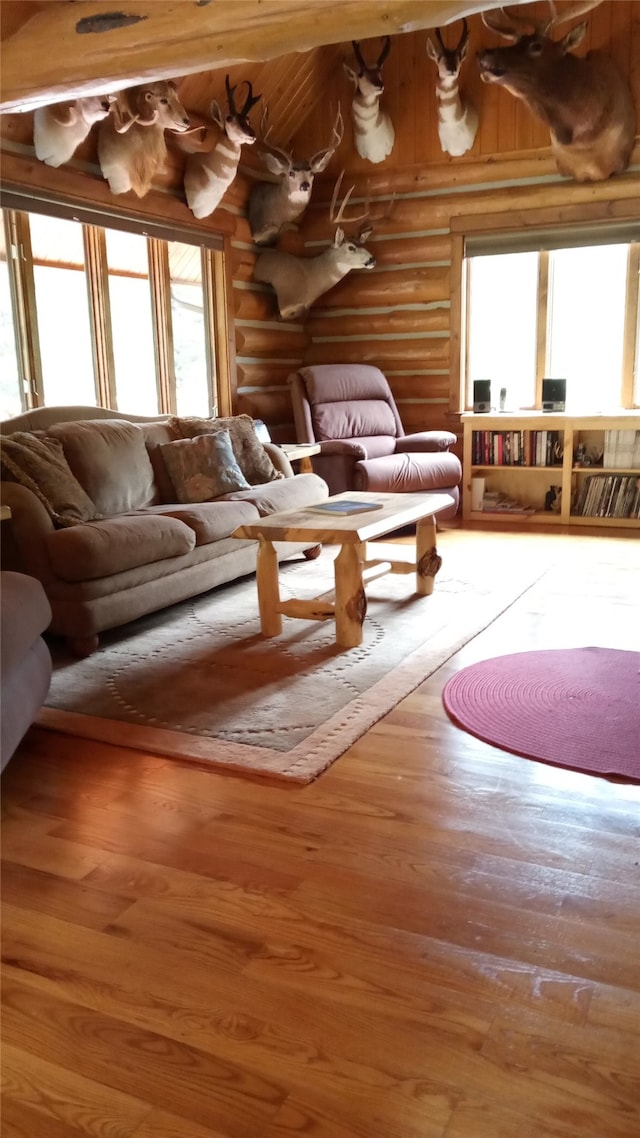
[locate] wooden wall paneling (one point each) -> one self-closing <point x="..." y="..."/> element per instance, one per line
<point x="264" y="339"/>
<point x="266" y="373"/>
<point x="419" y="387"/>
<point x="418" y="319"/>
<point x="377" y="351"/>
<point x="457" y="325"/>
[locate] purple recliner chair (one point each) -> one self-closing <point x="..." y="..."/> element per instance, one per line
<point x="349" y="410"/>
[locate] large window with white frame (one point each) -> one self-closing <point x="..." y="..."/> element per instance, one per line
<point x="561" y="304"/>
<point x="106" y="316"/>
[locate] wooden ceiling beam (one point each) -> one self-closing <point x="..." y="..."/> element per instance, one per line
<point x="63" y="50"/>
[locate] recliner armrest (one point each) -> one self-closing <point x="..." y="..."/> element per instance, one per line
<point x="348" y="447"/>
<point x="425" y="441"/>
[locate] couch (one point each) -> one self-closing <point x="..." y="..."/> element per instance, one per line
<point x="108" y="535"/>
<point x="349" y="410"/>
<point x="25" y="660"/>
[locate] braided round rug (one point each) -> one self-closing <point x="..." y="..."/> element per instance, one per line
<point x="575" y="707"/>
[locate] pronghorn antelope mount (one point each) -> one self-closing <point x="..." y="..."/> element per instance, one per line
<point x="457" y="117"/>
<point x="298" y="281"/>
<point x="586" y="102"/>
<point x="208" y="175"/>
<point x="58" y="130"/>
<point x="373" y="129"/>
<point x="275" y="206"/>
<point x="131" y="145"/>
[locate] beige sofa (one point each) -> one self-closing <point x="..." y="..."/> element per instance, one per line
<point x="141" y="550"/>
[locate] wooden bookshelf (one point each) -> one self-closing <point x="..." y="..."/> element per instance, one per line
<point x="524" y="455"/>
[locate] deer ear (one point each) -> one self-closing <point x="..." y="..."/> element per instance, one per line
<point x="431" y="51"/>
<point x="274" y="164"/>
<point x="365" y="234"/>
<point x="216" y="114"/>
<point x="574" y="37"/>
<point x="320" y="161"/>
<point x="338" y="237"/>
<point x="463" y="50"/>
<point x="350" y="72"/>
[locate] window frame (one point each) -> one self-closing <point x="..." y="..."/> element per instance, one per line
<point x="216" y="284"/>
<point x="465" y="227"/>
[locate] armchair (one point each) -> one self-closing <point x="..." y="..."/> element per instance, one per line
<point x="349" y="410"/>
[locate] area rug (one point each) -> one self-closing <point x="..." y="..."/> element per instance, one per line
<point x="198" y="680"/>
<point x="574" y="707"/>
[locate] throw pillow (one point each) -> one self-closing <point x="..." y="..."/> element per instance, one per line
<point x="39" y="464"/>
<point x="203" y="468"/>
<point x="251" y="456"/>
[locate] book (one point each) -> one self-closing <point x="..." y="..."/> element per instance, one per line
<point x="345" y="507"/>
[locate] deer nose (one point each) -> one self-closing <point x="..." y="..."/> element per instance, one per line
<point x="305" y="186"/>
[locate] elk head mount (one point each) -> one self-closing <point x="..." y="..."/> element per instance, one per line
<point x="209" y="174"/>
<point x="131" y="146"/>
<point x="585" y="102"/>
<point x="299" y="281"/>
<point x="457" y="117"/>
<point x="274" y="206"/>
<point x="373" y="129"/>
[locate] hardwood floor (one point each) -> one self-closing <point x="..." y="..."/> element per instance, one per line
<point x="436" y="939"/>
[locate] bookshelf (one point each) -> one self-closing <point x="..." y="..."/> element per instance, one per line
<point x="593" y="461"/>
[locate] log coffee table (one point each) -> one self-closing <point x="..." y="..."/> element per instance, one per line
<point x="353" y="570"/>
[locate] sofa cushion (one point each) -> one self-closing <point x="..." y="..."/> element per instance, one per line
<point x="39" y="464"/>
<point x="100" y="549"/>
<point x="109" y="458"/>
<point x="210" y="521"/>
<point x="251" y="456"/>
<point x="203" y="468"/>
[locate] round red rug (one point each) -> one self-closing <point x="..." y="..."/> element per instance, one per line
<point x="575" y="707"/>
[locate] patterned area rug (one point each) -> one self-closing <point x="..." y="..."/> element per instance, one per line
<point x="198" y="681"/>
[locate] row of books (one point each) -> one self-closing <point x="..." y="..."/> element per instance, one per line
<point x="517" y="448"/>
<point x="622" y="450"/>
<point x="608" y="496"/>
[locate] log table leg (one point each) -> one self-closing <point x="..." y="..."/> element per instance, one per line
<point x="351" y="602"/>
<point x="428" y="560"/>
<point x="268" y="588"/>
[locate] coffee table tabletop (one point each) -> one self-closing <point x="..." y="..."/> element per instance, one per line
<point x="330" y="529"/>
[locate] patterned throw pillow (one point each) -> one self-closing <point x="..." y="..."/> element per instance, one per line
<point x="251" y="456"/>
<point x="203" y="468"/>
<point x="39" y="464"/>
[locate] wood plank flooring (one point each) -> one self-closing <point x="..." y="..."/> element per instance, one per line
<point x="436" y="939"/>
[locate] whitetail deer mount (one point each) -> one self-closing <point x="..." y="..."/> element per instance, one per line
<point x="457" y="117"/>
<point x="299" y="281"/>
<point x="131" y="145"/>
<point x="373" y="129"/>
<point x="585" y="102"/>
<point x="59" y="129"/>
<point x="208" y="175"/>
<point x="274" y="206"/>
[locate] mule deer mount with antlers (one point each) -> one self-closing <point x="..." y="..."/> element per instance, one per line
<point x="299" y="281"/>
<point x="586" y="102"/>
<point x="59" y="129"/>
<point x="373" y="129"/>
<point x="131" y="145"/>
<point x="208" y="175"/>
<point x="274" y="206"/>
<point x="457" y="117"/>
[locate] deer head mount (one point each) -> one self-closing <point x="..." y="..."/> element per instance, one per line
<point x="274" y="206"/>
<point x="457" y="117"/>
<point x="58" y="130"/>
<point x="299" y="281"/>
<point x="373" y="130"/>
<point x="585" y="102"/>
<point x="131" y="146"/>
<point x="208" y="175"/>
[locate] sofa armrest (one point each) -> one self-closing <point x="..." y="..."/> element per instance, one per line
<point x="279" y="459"/>
<point x="426" y="441"/>
<point x="24" y="535"/>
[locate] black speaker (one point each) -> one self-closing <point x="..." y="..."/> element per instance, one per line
<point x="482" y="395"/>
<point x="554" y="394"/>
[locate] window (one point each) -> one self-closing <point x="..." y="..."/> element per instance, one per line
<point x="95" y="315"/>
<point x="561" y="308"/>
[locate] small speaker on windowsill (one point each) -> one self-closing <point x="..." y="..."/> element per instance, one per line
<point x="554" y="394"/>
<point x="481" y="395"/>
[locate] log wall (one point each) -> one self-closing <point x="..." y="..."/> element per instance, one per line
<point x="399" y="315"/>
